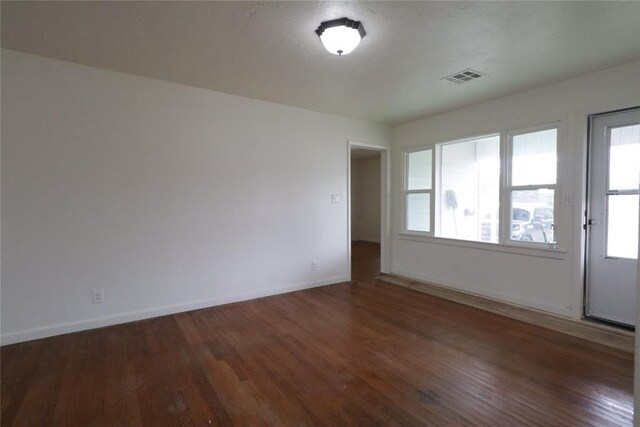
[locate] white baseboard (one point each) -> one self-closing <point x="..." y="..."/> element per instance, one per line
<point x="82" y="325"/>
<point x="498" y="296"/>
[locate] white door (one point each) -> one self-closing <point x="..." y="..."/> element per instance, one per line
<point x="612" y="224"/>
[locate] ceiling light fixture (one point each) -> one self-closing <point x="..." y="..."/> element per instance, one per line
<point x="340" y="36"/>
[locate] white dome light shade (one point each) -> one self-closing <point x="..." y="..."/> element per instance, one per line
<point x="340" y="40"/>
<point x="340" y="36"/>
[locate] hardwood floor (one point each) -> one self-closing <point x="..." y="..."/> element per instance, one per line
<point x="611" y="336"/>
<point x="365" y="260"/>
<point x="364" y="353"/>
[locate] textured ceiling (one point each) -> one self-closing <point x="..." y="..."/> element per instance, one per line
<point x="269" y="51"/>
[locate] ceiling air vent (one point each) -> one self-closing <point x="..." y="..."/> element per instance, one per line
<point x="463" y="76"/>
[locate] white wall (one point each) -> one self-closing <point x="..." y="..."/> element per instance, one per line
<point x="168" y="197"/>
<point x="547" y="280"/>
<point x="365" y="199"/>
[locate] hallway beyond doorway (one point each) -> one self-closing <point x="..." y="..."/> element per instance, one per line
<point x="365" y="260"/>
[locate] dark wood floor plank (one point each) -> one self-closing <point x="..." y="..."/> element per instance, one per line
<point x="360" y="353"/>
<point x="513" y="349"/>
<point x="391" y="356"/>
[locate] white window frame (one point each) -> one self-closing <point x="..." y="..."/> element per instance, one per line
<point x="406" y="191"/>
<point x="504" y="231"/>
<point x="507" y="188"/>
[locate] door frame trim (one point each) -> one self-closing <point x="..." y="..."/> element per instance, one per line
<point x="385" y="203"/>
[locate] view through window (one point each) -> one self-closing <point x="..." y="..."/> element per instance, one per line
<point x="469" y="196"/>
<point x="532" y="190"/>
<point x="465" y="196"/>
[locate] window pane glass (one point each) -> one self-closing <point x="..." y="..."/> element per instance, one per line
<point x="419" y="170"/>
<point x="532" y="216"/>
<point x="534" y="158"/>
<point x="624" y="158"/>
<point x="470" y="189"/>
<point x="418" y="212"/>
<point x="622" y="226"/>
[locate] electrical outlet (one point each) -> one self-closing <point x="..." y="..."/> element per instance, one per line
<point x="97" y="296"/>
<point x="455" y="266"/>
<point x="314" y="266"/>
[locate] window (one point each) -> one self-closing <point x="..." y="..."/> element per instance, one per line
<point x="417" y="190"/>
<point x="469" y="196"/>
<point x="455" y="189"/>
<point x="531" y="190"/>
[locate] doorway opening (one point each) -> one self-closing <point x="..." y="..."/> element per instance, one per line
<point x="612" y="217"/>
<point x="367" y="210"/>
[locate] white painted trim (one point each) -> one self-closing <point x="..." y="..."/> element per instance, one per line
<point x="385" y="212"/>
<point x="508" y="188"/>
<point x="406" y="191"/>
<point x="385" y="203"/>
<point x="540" y="252"/>
<point x="349" y="210"/>
<point x="636" y="374"/>
<point x="498" y="296"/>
<point x="65" y="328"/>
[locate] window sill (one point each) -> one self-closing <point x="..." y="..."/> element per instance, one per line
<point x="516" y="249"/>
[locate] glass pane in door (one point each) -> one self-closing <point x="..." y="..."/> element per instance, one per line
<point x="624" y="152"/>
<point x="622" y="226"/>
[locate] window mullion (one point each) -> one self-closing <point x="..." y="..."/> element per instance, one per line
<point x="532" y="187"/>
<point x="622" y="192"/>
<point x="504" y="224"/>
<point x="435" y="185"/>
